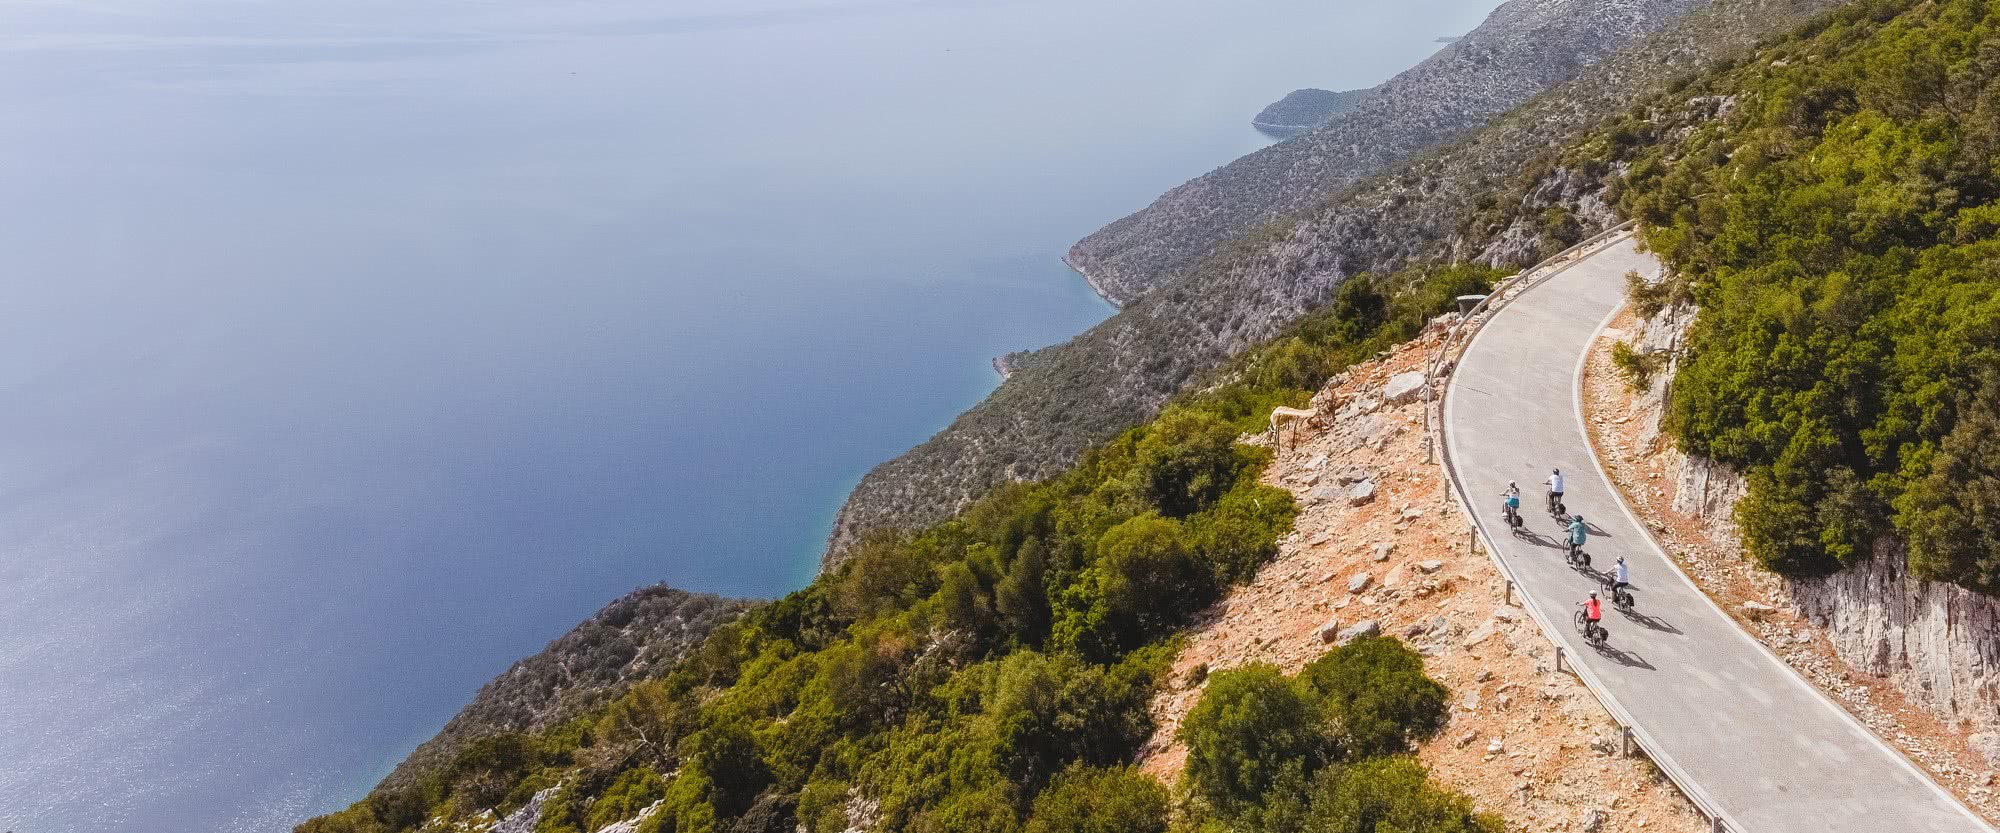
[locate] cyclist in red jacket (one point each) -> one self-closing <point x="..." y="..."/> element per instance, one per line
<point x="1592" y="613"/>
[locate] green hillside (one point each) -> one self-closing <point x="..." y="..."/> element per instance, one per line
<point x="1834" y="217"/>
<point x="993" y="673"/>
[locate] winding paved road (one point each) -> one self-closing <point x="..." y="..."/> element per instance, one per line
<point x="1769" y="752"/>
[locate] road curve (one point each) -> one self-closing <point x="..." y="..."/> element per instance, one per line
<point x="1759" y="745"/>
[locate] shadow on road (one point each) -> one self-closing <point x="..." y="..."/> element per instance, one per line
<point x="1649" y="622"/>
<point x="1539" y="540"/>
<point x="1625" y="658"/>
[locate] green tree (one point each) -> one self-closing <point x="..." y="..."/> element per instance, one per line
<point x="1148" y="577"/>
<point x="1250" y="728"/>
<point x="1952" y="514"/>
<point x="1188" y="459"/>
<point x="1375" y="693"/>
<point x="1389" y="795"/>
<point x="1022" y="596"/>
<point x="1100" y="800"/>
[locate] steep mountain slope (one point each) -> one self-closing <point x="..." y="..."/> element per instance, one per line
<point x="993" y="674"/>
<point x="639" y="635"/>
<point x="1523" y="48"/>
<point x="1494" y="196"/>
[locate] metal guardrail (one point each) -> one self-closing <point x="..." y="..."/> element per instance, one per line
<point x="1437" y="370"/>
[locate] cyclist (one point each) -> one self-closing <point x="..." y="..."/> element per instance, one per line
<point x="1511" y="503"/>
<point x="1555" y="484"/>
<point x="1577" y="534"/>
<point x="1621" y="576"/>
<point x="1593" y="613"/>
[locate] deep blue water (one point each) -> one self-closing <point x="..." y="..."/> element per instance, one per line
<point x="351" y="349"/>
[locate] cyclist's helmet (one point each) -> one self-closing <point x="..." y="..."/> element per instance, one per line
<point x="1555" y="471"/>
<point x="1510" y="484"/>
<point x="1593" y="594"/>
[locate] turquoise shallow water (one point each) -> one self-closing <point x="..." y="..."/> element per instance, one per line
<point x="355" y="349"/>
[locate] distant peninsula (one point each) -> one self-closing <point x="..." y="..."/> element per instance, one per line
<point x="1302" y="110"/>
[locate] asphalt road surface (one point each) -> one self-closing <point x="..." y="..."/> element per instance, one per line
<point x="1769" y="752"/>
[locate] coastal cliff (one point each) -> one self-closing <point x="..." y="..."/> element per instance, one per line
<point x="640" y="634"/>
<point x="1491" y="196"/>
<point x="1523" y="48"/>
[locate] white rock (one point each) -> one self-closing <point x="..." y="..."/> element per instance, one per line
<point x="1359" y="582"/>
<point x="1480" y="634"/>
<point x="1403" y="387"/>
<point x="1329" y="631"/>
<point x="1359" y="629"/>
<point x="1361" y="493"/>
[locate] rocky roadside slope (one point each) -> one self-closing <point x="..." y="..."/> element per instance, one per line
<point x="1379" y="547"/>
<point x="1492" y="196"/>
<point x="642" y="633"/>
<point x="1522" y="48"/>
<point x="1915" y="661"/>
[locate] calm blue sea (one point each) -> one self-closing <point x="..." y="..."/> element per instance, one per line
<point x="351" y="349"/>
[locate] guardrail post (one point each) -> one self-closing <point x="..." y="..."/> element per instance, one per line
<point x="1559" y="659"/>
<point x="1509" y="598"/>
<point x="1625" y="744"/>
<point x="1715" y="825"/>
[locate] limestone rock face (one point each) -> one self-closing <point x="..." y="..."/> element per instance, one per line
<point x="1940" y="643"/>
<point x="530" y="814"/>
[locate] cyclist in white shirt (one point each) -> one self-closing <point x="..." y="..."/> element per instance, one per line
<point x="1555" y="484"/>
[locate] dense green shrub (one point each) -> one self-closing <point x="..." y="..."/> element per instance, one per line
<point x="1252" y="728"/>
<point x="633" y="791"/>
<point x="1321" y="751"/>
<point x="1100" y="800"/>
<point x="1637" y="368"/>
<point x="1389" y="795"/>
<point x="1377" y="697"/>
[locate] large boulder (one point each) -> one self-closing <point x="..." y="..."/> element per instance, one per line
<point x="1329" y="631"/>
<point x="1356" y="631"/>
<point x="1404" y="388"/>
<point x="1361" y="493"/>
